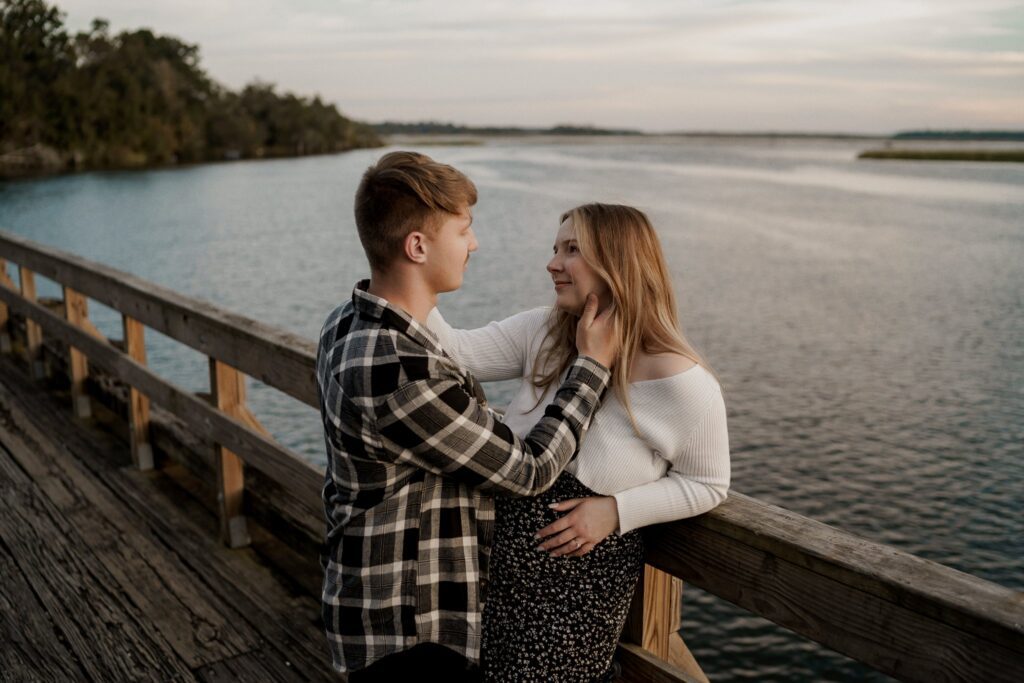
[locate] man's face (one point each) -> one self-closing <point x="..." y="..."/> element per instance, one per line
<point x="450" y="247"/>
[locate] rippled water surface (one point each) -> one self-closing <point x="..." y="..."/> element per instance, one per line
<point x="866" y="318"/>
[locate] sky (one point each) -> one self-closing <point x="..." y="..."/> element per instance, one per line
<point x="861" y="66"/>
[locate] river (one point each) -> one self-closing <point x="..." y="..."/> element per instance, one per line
<point x="866" y="318"/>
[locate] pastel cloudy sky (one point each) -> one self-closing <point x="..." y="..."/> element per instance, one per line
<point x="657" y="65"/>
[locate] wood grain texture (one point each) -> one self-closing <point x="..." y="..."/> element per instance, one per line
<point x="33" y="333"/>
<point x="5" y="315"/>
<point x="640" y="666"/>
<point x="251" y="666"/>
<point x="138" y="403"/>
<point x="654" y="621"/>
<point x="227" y="388"/>
<point x="275" y="357"/>
<point x="31" y="650"/>
<point x="197" y="624"/>
<point x="110" y="637"/>
<point x="76" y="312"/>
<point x="250" y="595"/>
<point x="944" y="594"/>
<point x="301" y="479"/>
<point x="888" y="635"/>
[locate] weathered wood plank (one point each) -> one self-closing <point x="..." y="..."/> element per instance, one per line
<point x="653" y="622"/>
<point x="888" y="636"/>
<point x="251" y="666"/>
<point x="662" y="597"/>
<point x="31" y="649"/>
<point x="275" y="357"/>
<point x="640" y="666"/>
<point x="288" y="621"/>
<point x="271" y="506"/>
<point x="227" y="388"/>
<point x="966" y="602"/>
<point x="5" y="315"/>
<point x="303" y="480"/>
<point x="110" y="638"/>
<point x="195" y="622"/>
<point x="76" y="312"/>
<point x="138" y="404"/>
<point x="33" y="334"/>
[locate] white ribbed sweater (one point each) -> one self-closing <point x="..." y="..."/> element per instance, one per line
<point x="680" y="466"/>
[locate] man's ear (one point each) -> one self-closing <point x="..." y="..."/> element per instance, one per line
<point x="416" y="247"/>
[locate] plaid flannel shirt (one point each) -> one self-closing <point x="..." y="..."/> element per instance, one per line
<point x="413" y="456"/>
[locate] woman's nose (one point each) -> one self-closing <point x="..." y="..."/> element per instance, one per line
<point x="554" y="265"/>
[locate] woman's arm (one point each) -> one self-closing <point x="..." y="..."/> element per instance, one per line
<point x="697" y="481"/>
<point x="496" y="351"/>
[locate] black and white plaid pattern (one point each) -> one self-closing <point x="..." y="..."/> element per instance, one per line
<point x="413" y="454"/>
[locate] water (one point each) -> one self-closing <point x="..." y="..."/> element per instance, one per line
<point x="866" y="318"/>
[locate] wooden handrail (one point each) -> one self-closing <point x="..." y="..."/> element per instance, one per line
<point x="275" y="357"/>
<point x="290" y="471"/>
<point x="906" y="616"/>
<point x="900" y="614"/>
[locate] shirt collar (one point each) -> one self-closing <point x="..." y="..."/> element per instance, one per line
<point x="389" y="315"/>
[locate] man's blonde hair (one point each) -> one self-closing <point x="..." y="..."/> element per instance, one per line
<point x="402" y="193"/>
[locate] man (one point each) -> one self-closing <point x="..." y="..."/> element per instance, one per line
<point x="413" y="453"/>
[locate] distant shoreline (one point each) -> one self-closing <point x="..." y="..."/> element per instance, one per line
<point x="1000" y="155"/>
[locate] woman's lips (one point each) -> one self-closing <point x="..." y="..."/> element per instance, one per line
<point x="561" y="284"/>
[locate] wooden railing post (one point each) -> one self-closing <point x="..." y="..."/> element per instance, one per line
<point x="227" y="386"/>
<point x="5" y="314"/>
<point x="138" y="404"/>
<point x="655" y="618"/>
<point x="76" y="312"/>
<point x="33" y="333"/>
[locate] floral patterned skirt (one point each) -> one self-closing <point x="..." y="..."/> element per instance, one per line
<point x="554" y="619"/>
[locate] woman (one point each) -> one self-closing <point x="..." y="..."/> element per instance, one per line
<point x="565" y="564"/>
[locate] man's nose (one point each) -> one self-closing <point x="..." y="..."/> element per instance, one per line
<point x="473" y="244"/>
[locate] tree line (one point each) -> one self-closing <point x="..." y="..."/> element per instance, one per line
<point x="443" y="128"/>
<point x="99" y="100"/>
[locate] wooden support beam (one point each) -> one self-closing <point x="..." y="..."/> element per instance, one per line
<point x="655" y="619"/>
<point x="227" y="387"/>
<point x="138" y="403"/>
<point x="5" y="314"/>
<point x="33" y="333"/>
<point x="76" y="312"/>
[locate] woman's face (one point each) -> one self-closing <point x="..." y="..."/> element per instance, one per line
<point x="574" y="279"/>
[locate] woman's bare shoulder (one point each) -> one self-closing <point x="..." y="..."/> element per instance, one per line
<point x="659" y="366"/>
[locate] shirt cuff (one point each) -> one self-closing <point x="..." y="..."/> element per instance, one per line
<point x="627" y="502"/>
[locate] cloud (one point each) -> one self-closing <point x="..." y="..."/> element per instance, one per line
<point x="649" y="63"/>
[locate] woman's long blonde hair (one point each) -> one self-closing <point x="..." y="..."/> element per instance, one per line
<point x="620" y="245"/>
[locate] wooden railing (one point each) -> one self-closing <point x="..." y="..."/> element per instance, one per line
<point x="908" y="617"/>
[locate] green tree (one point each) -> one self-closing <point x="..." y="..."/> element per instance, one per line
<point x="138" y="98"/>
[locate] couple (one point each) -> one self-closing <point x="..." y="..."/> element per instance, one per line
<point x="462" y="545"/>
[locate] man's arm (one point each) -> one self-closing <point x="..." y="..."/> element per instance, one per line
<point x="434" y="424"/>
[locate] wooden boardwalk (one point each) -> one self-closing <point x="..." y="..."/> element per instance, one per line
<point x="114" y="574"/>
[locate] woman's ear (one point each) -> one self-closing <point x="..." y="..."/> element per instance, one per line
<point x="416" y="247"/>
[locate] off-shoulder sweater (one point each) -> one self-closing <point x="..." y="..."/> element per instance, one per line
<point x="677" y="467"/>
